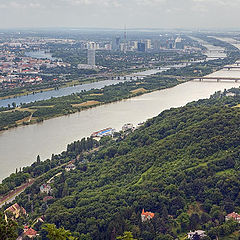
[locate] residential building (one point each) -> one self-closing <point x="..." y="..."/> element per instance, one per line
<point x="45" y="199"/>
<point x="16" y="210"/>
<point x="29" y="232"/>
<point x="91" y="57"/>
<point x="141" y="47"/>
<point x="70" y="167"/>
<point x="199" y="233"/>
<point x="45" y="188"/>
<point x="146" y="216"/>
<point x="233" y="216"/>
<point x="127" y="126"/>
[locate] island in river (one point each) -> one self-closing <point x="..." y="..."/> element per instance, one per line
<point x="35" y="112"/>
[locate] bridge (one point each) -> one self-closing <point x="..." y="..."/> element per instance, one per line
<point x="232" y="67"/>
<point x="218" y="78"/>
<point x="135" y="77"/>
<point x="215" y="57"/>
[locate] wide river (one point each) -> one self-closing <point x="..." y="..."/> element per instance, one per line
<point x="20" y="146"/>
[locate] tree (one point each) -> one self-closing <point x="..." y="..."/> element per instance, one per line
<point x="55" y="233"/>
<point x="184" y="221"/>
<point x="126" y="236"/>
<point x="164" y="237"/>
<point x="38" y="159"/>
<point x="65" y="191"/>
<point x="196" y="237"/>
<point x="8" y="229"/>
<point x="194" y="221"/>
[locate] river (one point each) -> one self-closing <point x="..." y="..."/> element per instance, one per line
<point x="74" y="89"/>
<point x="212" y="52"/>
<point x="40" y="55"/>
<point x="20" y="146"/>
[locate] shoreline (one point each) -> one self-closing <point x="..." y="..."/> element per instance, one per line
<point x="69" y="84"/>
<point x="91" y="106"/>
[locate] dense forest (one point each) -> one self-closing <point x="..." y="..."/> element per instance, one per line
<point x="182" y="165"/>
<point x="8" y="119"/>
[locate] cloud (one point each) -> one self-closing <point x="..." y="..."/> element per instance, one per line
<point x="21" y="4"/>
<point x="113" y="13"/>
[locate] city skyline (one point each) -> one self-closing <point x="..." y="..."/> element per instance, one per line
<point x="188" y="14"/>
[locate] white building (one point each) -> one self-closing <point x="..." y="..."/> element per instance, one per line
<point x="91" y="57"/>
<point x="200" y="233"/>
<point x="70" y="167"/>
<point x="127" y="126"/>
<point x="45" y="188"/>
<point x="233" y="216"/>
<point x="148" y="44"/>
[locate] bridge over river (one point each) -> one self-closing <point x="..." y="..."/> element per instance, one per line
<point x="201" y="79"/>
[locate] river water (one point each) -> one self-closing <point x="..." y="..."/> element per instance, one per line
<point x="20" y="146"/>
<point x="74" y="89"/>
<point x="40" y="55"/>
<point x="212" y="52"/>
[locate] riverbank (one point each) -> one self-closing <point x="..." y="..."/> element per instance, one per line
<point x="70" y="83"/>
<point x="56" y="107"/>
<point x="65" y="105"/>
<point x="67" y="84"/>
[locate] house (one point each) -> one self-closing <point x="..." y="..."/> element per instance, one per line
<point x="127" y="126"/>
<point x="70" y="167"/>
<point x="233" y="216"/>
<point x="230" y="94"/>
<point x="145" y="216"/>
<point x="45" y="188"/>
<point x="45" y="199"/>
<point x="16" y="210"/>
<point x="199" y="233"/>
<point x="29" y="232"/>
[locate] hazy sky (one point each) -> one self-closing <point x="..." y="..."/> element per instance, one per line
<point x="115" y="13"/>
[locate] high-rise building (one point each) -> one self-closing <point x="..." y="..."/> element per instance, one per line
<point x="141" y="47"/>
<point x="135" y="44"/>
<point x="92" y="45"/>
<point x="91" y="57"/>
<point x="148" y="44"/>
<point x="156" y="45"/>
<point x="116" y="44"/>
<point x="178" y="43"/>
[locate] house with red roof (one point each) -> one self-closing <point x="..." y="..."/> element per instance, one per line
<point x="16" y="210"/>
<point x="146" y="216"/>
<point x="233" y="216"/>
<point x="29" y="232"/>
<point x="45" y="199"/>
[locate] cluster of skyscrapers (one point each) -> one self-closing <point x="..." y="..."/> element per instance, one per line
<point x="121" y="44"/>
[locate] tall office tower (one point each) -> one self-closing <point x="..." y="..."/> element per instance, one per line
<point x="148" y="44"/>
<point x="125" y="40"/>
<point x="141" y="47"/>
<point x="156" y="45"/>
<point x="178" y="43"/>
<point x="116" y="44"/>
<point x="135" y="44"/>
<point x="91" y="57"/>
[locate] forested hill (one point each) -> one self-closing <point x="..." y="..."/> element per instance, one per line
<point x="182" y="165"/>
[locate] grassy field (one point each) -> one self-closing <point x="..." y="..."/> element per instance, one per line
<point x="86" y="104"/>
<point x="139" y="90"/>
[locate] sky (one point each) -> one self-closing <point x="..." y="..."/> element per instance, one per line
<point x="187" y="14"/>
